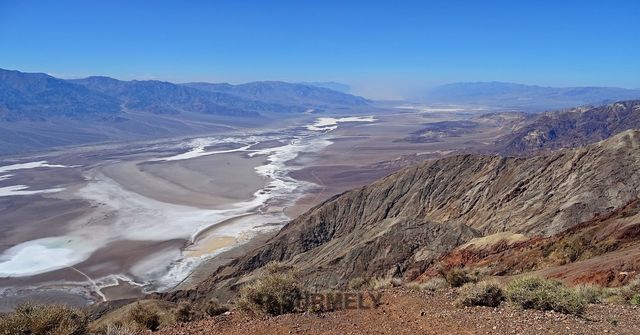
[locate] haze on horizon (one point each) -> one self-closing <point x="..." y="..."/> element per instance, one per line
<point x="382" y="49"/>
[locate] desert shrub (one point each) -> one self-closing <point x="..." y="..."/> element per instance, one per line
<point x="213" y="308"/>
<point x="382" y="283"/>
<point x="33" y="319"/>
<point x="592" y="294"/>
<point x="360" y="283"/>
<point x="145" y="317"/>
<point x="480" y="294"/>
<point x="414" y="285"/>
<point x="635" y="300"/>
<point x="276" y="292"/>
<point x="542" y="294"/>
<point x="432" y="284"/>
<point x="185" y="312"/>
<point x="630" y="290"/>
<point x="458" y="276"/>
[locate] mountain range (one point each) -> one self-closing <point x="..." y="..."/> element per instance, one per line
<point x="529" y="97"/>
<point x="40" y="111"/>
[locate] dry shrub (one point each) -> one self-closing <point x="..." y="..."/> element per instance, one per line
<point x="360" y="283"/>
<point x="629" y="291"/>
<point x="382" y="283"/>
<point x="185" y="312"/>
<point x="457" y="277"/>
<point x="277" y="291"/>
<point x="542" y="294"/>
<point x="33" y="319"/>
<point x="145" y="317"/>
<point x="592" y="294"/>
<point x="480" y="294"/>
<point x="214" y="308"/>
<point x="635" y="300"/>
<point x="434" y="284"/>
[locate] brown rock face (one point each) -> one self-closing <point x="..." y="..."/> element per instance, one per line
<point x="402" y="223"/>
<point x="572" y="128"/>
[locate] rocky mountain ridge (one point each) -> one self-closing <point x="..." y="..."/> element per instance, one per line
<point x="571" y="128"/>
<point x="401" y="224"/>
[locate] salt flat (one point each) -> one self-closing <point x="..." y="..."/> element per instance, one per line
<point x="141" y="218"/>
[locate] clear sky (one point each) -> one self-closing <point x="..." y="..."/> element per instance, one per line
<point x="381" y="48"/>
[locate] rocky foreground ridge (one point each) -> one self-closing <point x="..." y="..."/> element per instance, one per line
<point x="407" y="222"/>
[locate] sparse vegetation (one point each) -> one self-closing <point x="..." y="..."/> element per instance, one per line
<point x="381" y="283"/>
<point x="484" y="293"/>
<point x="33" y="319"/>
<point x="635" y="300"/>
<point x="277" y="291"/>
<point x="360" y="283"/>
<point x="145" y="317"/>
<point x="459" y="276"/>
<point x="185" y="312"/>
<point x="629" y="291"/>
<point x="213" y="308"/>
<point x="542" y="294"/>
<point x="592" y="294"/>
<point x="434" y="284"/>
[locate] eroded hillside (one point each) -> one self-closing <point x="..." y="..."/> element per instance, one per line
<point x="401" y="224"/>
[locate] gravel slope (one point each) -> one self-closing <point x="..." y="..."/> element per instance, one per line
<point x="405" y="311"/>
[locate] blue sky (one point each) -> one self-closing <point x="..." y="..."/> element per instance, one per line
<point x="382" y="48"/>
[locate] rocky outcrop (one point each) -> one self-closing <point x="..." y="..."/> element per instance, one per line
<point x="401" y="224"/>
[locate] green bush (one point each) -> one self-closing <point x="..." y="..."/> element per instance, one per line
<point x="277" y="291"/>
<point x="145" y="317"/>
<point x="32" y="319"/>
<point x="481" y="294"/>
<point x="541" y="294"/>
<point x="457" y="277"/>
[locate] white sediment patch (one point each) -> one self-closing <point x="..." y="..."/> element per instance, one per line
<point x="30" y="165"/>
<point x="42" y="255"/>
<point x="9" y="191"/>
<point x="330" y="123"/>
<point x="199" y="150"/>
<point x="14" y="190"/>
<point x="427" y="109"/>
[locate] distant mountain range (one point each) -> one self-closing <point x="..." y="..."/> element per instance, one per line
<point x="526" y="96"/>
<point x="277" y="92"/>
<point x="332" y="85"/>
<point x="41" y="111"/>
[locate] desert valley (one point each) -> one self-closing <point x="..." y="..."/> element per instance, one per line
<point x="288" y="167"/>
